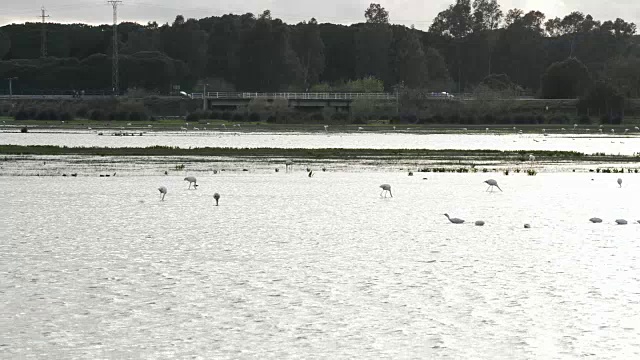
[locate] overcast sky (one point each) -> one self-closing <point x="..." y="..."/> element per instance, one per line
<point x="406" y="12"/>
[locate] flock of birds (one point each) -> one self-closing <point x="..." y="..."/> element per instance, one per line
<point x="386" y="189"/>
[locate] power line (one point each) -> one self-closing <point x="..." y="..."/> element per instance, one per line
<point x="114" y="62"/>
<point x="43" y="39"/>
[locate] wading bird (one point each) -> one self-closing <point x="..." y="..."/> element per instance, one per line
<point x="532" y="158"/>
<point x="288" y="164"/>
<point x="163" y="191"/>
<point x="479" y="223"/>
<point x="326" y="128"/>
<point x="491" y="184"/>
<point x="386" y="188"/>
<point x="191" y="180"/>
<point x="621" y="222"/>
<point x="454" y="220"/>
<point x="620" y="182"/>
<point x="216" y="196"/>
<point x="527" y="226"/>
<point x="595" y="220"/>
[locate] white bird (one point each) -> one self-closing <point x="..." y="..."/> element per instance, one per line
<point x="216" y="196"/>
<point x="544" y="130"/>
<point x="386" y="188"/>
<point x="620" y="182"/>
<point x="532" y="158"/>
<point x="595" y="220"/>
<point x="224" y="126"/>
<point x="326" y="128"/>
<point x="360" y="128"/>
<point x="626" y="131"/>
<point x="600" y="130"/>
<point x="394" y="128"/>
<point x="491" y="184"/>
<point x="563" y="129"/>
<point x="287" y="165"/>
<point x="479" y="223"/>
<point x="486" y="130"/>
<point x="575" y="126"/>
<point x="601" y="126"/>
<point x="613" y="131"/>
<point x="621" y="221"/>
<point x="637" y="128"/>
<point x="454" y="220"/>
<point x="464" y="129"/>
<point x="191" y="180"/>
<point x="163" y="191"/>
<point x="195" y="128"/>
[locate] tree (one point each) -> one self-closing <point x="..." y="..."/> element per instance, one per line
<point x="408" y="61"/>
<point x="306" y="41"/>
<point x="372" y="43"/>
<point x="455" y="22"/>
<point x="567" y="79"/>
<point x="624" y="74"/>
<point x="5" y="44"/>
<point x="486" y="15"/>
<point x="439" y="78"/>
<point x="376" y="14"/>
<point x="604" y="100"/>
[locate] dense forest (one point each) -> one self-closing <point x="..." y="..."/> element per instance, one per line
<point x="471" y="46"/>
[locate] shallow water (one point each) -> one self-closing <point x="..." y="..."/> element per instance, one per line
<point x="589" y="144"/>
<point x="295" y="267"/>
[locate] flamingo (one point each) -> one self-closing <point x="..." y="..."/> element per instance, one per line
<point x="527" y="226"/>
<point x="163" y="191"/>
<point x="386" y="188"/>
<point x="620" y="182"/>
<point x="479" y="223"/>
<point x="216" y="196"/>
<point x="621" y="221"/>
<point x="191" y="180"/>
<point x="454" y="220"/>
<point x="491" y="184"/>
<point x="595" y="220"/>
<point x="287" y="165"/>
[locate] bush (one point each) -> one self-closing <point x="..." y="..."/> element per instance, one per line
<point x="254" y="116"/>
<point x="66" y="116"/>
<point x="24" y="129"/>
<point x="194" y="116"/>
<point x="238" y="117"/>
<point x="226" y="115"/>
<point x="97" y="114"/>
<point x="21" y="115"/>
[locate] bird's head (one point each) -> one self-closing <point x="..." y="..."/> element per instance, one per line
<point x="445" y="214"/>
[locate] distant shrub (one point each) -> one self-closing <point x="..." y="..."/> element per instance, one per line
<point x="194" y="116"/>
<point x="24" y="129"/>
<point x="97" y="114"/>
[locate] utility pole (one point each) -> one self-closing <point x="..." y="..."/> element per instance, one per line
<point x="114" y="61"/>
<point x="204" y="98"/>
<point x="11" y="87"/>
<point x="43" y="40"/>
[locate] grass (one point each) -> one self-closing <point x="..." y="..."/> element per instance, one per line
<point x="326" y="153"/>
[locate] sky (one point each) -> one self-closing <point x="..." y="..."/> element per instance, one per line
<point x="419" y="13"/>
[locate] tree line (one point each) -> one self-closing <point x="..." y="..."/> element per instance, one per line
<point x="470" y="46"/>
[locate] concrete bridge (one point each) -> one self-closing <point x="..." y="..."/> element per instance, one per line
<point x="298" y="100"/>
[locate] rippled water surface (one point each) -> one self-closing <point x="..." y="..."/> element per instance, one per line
<point x="295" y="267"/>
<point x="624" y="145"/>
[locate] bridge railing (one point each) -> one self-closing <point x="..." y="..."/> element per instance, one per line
<point x="295" y="96"/>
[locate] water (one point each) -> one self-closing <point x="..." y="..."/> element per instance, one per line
<point x="589" y="144"/>
<point x="295" y="267"/>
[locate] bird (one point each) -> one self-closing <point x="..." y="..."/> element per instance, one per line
<point x="595" y="220"/>
<point x="287" y="165"/>
<point x="191" y="180"/>
<point x="163" y="191"/>
<point x="527" y="226"/>
<point x="621" y="221"/>
<point x="326" y="128"/>
<point x="311" y="173"/>
<point x="360" y="128"/>
<point x="532" y="158"/>
<point x="486" y="130"/>
<point x="386" y="188"/>
<point x="491" y="184"/>
<point x="479" y="223"/>
<point x="454" y="220"/>
<point x="620" y="182"/>
<point x="638" y="221"/>
<point x="216" y="196"/>
<point x="410" y="173"/>
<point x="613" y="131"/>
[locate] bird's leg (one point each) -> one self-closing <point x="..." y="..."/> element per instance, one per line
<point x="381" y="193"/>
<point x="390" y="193"/>
<point x="488" y="188"/>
